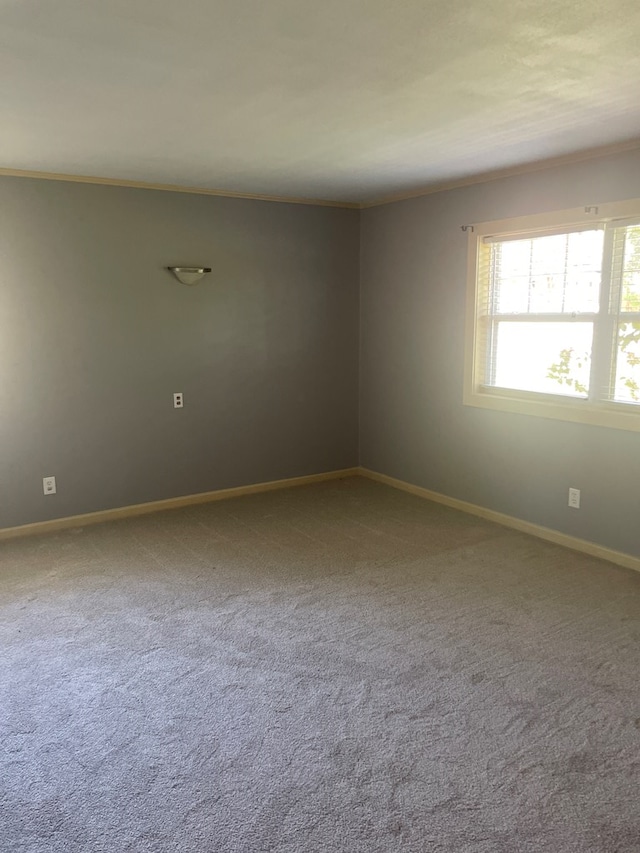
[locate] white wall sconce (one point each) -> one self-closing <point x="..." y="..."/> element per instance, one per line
<point x="189" y="275"/>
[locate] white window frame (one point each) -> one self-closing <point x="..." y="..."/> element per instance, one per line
<point x="616" y="415"/>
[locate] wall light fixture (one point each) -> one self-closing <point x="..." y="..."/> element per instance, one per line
<point x="189" y="275"/>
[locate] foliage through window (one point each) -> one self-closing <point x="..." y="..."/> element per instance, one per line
<point x="556" y="317"/>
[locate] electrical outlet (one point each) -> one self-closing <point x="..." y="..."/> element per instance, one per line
<point x="49" y="485"/>
<point x="574" y="498"/>
<point x="178" y="400"/>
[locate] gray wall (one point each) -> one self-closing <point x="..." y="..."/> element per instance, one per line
<point x="413" y="423"/>
<point x="95" y="336"/>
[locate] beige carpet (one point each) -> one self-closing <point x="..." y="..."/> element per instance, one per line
<point x="340" y="667"/>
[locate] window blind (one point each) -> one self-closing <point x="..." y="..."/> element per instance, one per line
<point x="624" y="309"/>
<point x="538" y="300"/>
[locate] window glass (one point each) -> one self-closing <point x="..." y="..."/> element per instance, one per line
<point x="631" y="275"/>
<point x="560" y="273"/>
<point x="549" y="358"/>
<point x="554" y="319"/>
<point x="627" y="379"/>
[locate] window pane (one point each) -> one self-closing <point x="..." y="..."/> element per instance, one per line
<point x="555" y="274"/>
<point x="631" y="274"/>
<point x="627" y="387"/>
<point x="550" y="358"/>
<point x="630" y="291"/>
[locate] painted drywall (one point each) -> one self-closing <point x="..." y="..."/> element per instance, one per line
<point x="337" y="100"/>
<point x="95" y="336"/>
<point x="413" y="424"/>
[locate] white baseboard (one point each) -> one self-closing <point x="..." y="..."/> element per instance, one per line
<point x="573" y="542"/>
<point x="582" y="545"/>
<point x="85" y="519"/>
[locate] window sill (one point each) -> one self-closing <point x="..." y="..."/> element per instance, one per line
<point x="613" y="416"/>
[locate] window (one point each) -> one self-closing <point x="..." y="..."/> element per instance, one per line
<point x="554" y="315"/>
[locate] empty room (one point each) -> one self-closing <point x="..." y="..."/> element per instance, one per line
<point x="319" y="427"/>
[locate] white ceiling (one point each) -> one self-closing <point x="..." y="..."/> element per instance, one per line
<point x="349" y="100"/>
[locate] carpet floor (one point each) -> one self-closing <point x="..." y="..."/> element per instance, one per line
<point x="339" y="668"/>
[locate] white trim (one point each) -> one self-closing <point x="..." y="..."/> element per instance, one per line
<point x="75" y="521"/>
<point x="625" y="415"/>
<point x="546" y="533"/>
<point x="471" y="180"/>
<point x="613" y="415"/>
<point x="172" y="188"/>
<point x="39" y="527"/>
<point x="575" y="218"/>
<point x="509" y="172"/>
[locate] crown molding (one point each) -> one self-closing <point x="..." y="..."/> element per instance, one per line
<point x="471" y="180"/>
<point x="173" y="188"/>
<point x="508" y="172"/>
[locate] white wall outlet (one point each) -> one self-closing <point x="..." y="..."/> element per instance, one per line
<point x="49" y="485"/>
<point x="178" y="400"/>
<point x="574" y="498"/>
